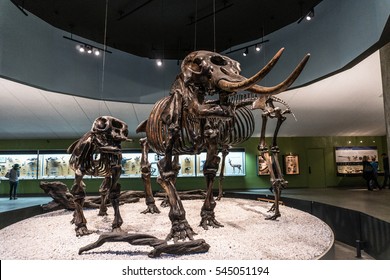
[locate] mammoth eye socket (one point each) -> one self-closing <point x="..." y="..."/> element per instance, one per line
<point x="218" y="60"/>
<point x="117" y="124"/>
<point x="198" y="61"/>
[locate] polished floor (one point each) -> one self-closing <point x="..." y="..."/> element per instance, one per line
<point x="374" y="203"/>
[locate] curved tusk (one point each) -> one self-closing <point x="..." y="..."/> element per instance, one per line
<point x="283" y="85"/>
<point x="248" y="83"/>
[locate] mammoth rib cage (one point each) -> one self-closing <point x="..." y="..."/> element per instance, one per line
<point x="231" y="133"/>
<point x="89" y="166"/>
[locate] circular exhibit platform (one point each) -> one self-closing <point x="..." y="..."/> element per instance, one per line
<point x="246" y="234"/>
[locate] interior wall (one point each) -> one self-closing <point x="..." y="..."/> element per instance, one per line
<point x="296" y="145"/>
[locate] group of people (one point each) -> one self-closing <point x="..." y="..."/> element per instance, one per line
<point x="370" y="172"/>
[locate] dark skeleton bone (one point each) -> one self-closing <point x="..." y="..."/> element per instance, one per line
<point x="98" y="153"/>
<point x="187" y="122"/>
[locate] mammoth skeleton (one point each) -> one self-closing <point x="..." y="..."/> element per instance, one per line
<point x="98" y="153"/>
<point x="189" y="122"/>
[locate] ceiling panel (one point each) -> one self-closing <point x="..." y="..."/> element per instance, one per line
<point x="347" y="104"/>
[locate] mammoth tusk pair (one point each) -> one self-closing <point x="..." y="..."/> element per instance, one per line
<point x="283" y="85"/>
<point x="250" y="84"/>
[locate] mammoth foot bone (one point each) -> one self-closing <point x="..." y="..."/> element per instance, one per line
<point x="181" y="230"/>
<point x="160" y="246"/>
<point x="152" y="209"/>
<point x="275" y="215"/>
<point x="82" y="231"/>
<point x="208" y="219"/>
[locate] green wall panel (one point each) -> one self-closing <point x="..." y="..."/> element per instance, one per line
<point x="295" y="145"/>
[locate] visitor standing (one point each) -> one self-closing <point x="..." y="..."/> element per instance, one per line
<point x="13" y="176"/>
<point x="368" y="173"/>
<point x="385" y="159"/>
<point x="375" y="166"/>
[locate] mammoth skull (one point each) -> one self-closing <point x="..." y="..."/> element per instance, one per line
<point x="213" y="72"/>
<point x="110" y="128"/>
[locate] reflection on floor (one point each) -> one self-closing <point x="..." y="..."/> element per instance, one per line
<point x="374" y="203"/>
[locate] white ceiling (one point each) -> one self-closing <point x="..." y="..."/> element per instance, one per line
<point x="346" y="104"/>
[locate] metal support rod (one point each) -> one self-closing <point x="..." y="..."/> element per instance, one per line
<point x="359" y="247"/>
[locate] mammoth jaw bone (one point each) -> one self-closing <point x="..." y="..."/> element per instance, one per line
<point x="283" y="85"/>
<point x="250" y="82"/>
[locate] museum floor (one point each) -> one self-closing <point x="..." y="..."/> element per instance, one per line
<point x="374" y="203"/>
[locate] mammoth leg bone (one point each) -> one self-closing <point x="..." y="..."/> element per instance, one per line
<point x="276" y="177"/>
<point x="225" y="152"/>
<point x="103" y="190"/>
<point x="180" y="229"/>
<point x="78" y="192"/>
<point x="279" y="183"/>
<point x="146" y="173"/>
<point x="210" y="169"/>
<point x="114" y="197"/>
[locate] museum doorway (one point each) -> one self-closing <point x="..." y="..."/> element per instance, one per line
<point x="316" y="168"/>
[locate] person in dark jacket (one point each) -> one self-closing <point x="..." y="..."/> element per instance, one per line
<point x="14" y="174"/>
<point x="375" y="165"/>
<point x="368" y="173"/>
<point x="385" y="159"/>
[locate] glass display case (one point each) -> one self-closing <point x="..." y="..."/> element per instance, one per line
<point x="187" y="163"/>
<point x="234" y="163"/>
<point x="54" y="164"/>
<point x="27" y="161"/>
<point x="131" y="164"/>
<point x="349" y="159"/>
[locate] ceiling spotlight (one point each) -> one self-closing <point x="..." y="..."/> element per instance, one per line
<point x="245" y="53"/>
<point x="159" y="62"/>
<point x="85" y="47"/>
<point x="258" y="48"/>
<point x="310" y="15"/>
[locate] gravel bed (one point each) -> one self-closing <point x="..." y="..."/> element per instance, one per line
<point x="246" y="234"/>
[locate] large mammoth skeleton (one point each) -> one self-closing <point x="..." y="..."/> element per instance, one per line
<point x="189" y="122"/>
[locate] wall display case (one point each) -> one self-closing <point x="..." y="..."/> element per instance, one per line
<point x="349" y="159"/>
<point x="131" y="164"/>
<point x="28" y="163"/>
<point x="262" y="167"/>
<point x="234" y="163"/>
<point x="187" y="163"/>
<point x="55" y="166"/>
<point x="291" y="164"/>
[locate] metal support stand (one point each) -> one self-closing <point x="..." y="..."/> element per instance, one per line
<point x="359" y="248"/>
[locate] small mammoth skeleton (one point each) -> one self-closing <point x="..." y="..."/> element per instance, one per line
<point x="98" y="153"/>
